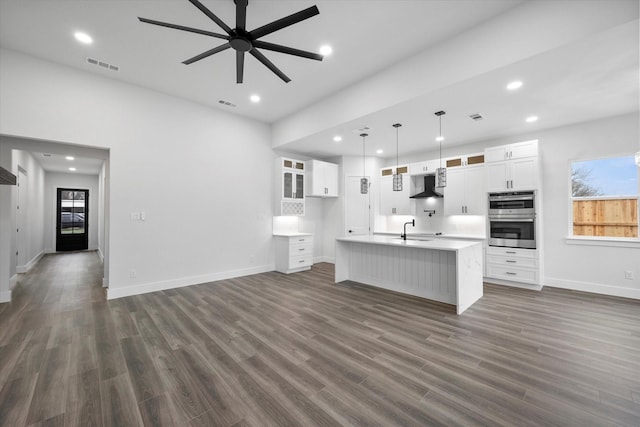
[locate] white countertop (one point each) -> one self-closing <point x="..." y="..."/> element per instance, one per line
<point x="437" y="244"/>
<point x="433" y="235"/>
<point x="292" y="234"/>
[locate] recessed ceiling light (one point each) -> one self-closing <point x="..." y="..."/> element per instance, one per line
<point x="379" y="151"/>
<point x="531" y="119"/>
<point x="325" y="50"/>
<point x="254" y="98"/>
<point x="72" y="169"/>
<point x="70" y="158"/>
<point x="83" y="37"/>
<point x="337" y="138"/>
<point x="439" y="138"/>
<point x="514" y="85"/>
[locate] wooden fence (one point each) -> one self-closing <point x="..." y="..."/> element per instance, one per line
<point x="605" y="217"/>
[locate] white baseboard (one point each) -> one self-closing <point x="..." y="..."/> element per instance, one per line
<point x="49" y="251"/>
<point x="105" y="282"/>
<point x="114" y="292"/>
<point x="100" y="255"/>
<point x="596" y="288"/>
<point x="330" y="260"/>
<point x="520" y="285"/>
<point x="30" y="264"/>
<point x="13" y="281"/>
<point x="5" y="296"/>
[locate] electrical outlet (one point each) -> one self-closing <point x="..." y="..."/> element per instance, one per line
<point x="132" y="273"/>
<point x="628" y="275"/>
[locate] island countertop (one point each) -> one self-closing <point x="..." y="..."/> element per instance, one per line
<point x="435" y="243"/>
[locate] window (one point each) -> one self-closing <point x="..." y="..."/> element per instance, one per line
<point x="605" y="197"/>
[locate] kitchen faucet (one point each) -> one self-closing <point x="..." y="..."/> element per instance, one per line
<point x="404" y="227"/>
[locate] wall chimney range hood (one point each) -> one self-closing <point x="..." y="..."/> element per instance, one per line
<point x="429" y="188"/>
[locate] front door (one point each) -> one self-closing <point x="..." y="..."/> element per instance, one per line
<point x="72" y="215"/>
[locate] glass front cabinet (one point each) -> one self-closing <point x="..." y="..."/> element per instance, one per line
<point x="290" y="191"/>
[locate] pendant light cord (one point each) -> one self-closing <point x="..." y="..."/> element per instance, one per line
<point x="440" y="118"/>
<point x="397" y="149"/>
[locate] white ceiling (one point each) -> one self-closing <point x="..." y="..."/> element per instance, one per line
<point x="367" y="36"/>
<point x="588" y="79"/>
<point x="59" y="163"/>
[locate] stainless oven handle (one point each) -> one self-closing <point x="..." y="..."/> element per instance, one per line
<point x="509" y="198"/>
<point x="528" y="219"/>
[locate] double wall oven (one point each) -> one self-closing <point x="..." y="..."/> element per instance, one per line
<point x="512" y="219"/>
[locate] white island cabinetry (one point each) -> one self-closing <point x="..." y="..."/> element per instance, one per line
<point x="449" y="271"/>
<point x="294" y="252"/>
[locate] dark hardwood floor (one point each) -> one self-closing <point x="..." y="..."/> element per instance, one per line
<point x="298" y="350"/>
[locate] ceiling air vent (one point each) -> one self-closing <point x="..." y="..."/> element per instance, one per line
<point x="227" y="103"/>
<point x="103" y="64"/>
<point x="363" y="129"/>
<point x="476" y="117"/>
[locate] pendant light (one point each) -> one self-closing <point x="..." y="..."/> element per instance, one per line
<point x="397" y="177"/>
<point x="364" y="182"/>
<point x="441" y="173"/>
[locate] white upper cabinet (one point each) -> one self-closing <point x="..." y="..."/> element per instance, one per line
<point x="427" y="167"/>
<point x="322" y="179"/>
<point x="512" y="167"/>
<point x="289" y="195"/>
<point x="395" y="202"/>
<point x="465" y="193"/>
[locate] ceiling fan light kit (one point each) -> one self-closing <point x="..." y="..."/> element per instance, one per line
<point x="242" y="41"/>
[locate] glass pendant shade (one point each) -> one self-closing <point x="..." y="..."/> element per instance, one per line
<point x="441" y="173"/>
<point x="364" y="185"/>
<point x="441" y="177"/>
<point x="397" y="177"/>
<point x="397" y="181"/>
<point x="364" y="182"/>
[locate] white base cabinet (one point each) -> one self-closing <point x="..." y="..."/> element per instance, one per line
<point x="294" y="252"/>
<point x="513" y="264"/>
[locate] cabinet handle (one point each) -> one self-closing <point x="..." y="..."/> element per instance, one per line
<point x="302" y="249"/>
<point x="511" y="274"/>
<point x="511" y="261"/>
<point x="301" y="261"/>
<point x="510" y="252"/>
<point x="300" y="240"/>
<point x="462" y="208"/>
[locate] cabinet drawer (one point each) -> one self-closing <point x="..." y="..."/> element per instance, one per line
<point x="514" y="262"/>
<point x="512" y="273"/>
<point x="305" y="260"/>
<point x="300" y="239"/>
<point x="512" y="252"/>
<point x="300" y="249"/>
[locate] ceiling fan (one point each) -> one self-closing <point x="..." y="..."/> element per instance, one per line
<point x="242" y="40"/>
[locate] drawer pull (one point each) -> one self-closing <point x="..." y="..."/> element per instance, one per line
<point x="511" y="261"/>
<point x="302" y="240"/>
<point x="511" y="274"/>
<point x="301" y="261"/>
<point x="302" y="249"/>
<point x="510" y="252"/>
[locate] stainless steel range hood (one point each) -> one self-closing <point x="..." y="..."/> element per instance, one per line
<point x="429" y="188"/>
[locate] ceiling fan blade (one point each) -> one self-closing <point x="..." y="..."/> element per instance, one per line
<point x="284" y="22"/>
<point x="207" y="53"/>
<point x="287" y="49"/>
<point x="241" y="13"/>
<point x="183" y="28"/>
<point x="239" y="66"/>
<point x="211" y="16"/>
<point x="260" y="57"/>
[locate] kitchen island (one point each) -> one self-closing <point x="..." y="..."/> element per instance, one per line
<point x="449" y="271"/>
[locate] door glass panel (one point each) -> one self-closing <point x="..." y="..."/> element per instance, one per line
<point x="72" y="212"/>
<point x="299" y="186"/>
<point x="288" y="185"/>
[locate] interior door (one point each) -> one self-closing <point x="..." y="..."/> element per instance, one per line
<point x="358" y="208"/>
<point x="72" y="215"/>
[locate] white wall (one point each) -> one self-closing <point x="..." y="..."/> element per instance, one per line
<point x="204" y="177"/>
<point x="55" y="180"/>
<point x="33" y="243"/>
